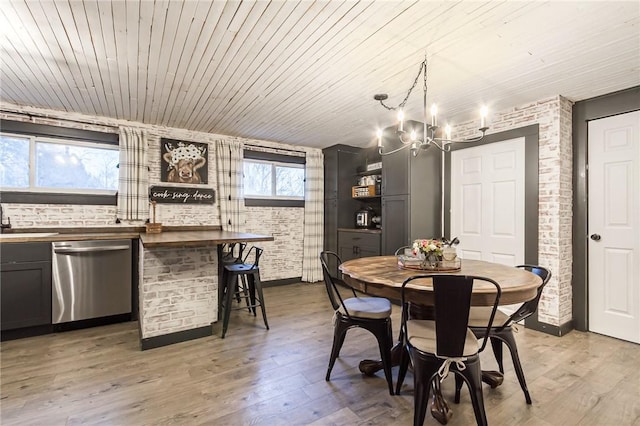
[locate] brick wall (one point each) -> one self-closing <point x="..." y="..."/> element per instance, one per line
<point x="285" y="224"/>
<point x="178" y="289"/>
<point x="553" y="115"/>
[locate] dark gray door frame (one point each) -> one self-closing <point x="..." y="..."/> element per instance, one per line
<point x="584" y="111"/>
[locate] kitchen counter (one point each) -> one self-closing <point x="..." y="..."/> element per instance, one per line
<point x="29" y="237"/>
<point x="363" y="230"/>
<point x="198" y="238"/>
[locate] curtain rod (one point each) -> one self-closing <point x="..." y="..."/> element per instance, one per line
<point x="275" y="149"/>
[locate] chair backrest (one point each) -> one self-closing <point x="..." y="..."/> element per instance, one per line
<point x="229" y="252"/>
<point x="529" y="307"/>
<point x="452" y="301"/>
<point x="401" y="250"/>
<point x="333" y="277"/>
<point x="256" y="260"/>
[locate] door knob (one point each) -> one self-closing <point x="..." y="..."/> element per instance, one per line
<point x="595" y="237"/>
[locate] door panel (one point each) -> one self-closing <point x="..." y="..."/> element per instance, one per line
<point x="614" y="223"/>
<point x="487" y="201"/>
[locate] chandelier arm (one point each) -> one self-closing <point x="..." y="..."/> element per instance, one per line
<point x="395" y="150"/>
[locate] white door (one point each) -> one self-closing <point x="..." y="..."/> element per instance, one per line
<point x="614" y="226"/>
<point x="487" y="201"/>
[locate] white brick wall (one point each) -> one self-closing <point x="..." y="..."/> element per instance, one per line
<point x="555" y="190"/>
<point x="178" y="289"/>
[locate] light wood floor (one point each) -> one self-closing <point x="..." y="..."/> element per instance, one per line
<point x="276" y="377"/>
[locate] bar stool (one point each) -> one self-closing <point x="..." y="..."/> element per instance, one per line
<point x="231" y="275"/>
<point x="229" y="256"/>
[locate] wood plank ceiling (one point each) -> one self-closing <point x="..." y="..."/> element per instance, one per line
<point x="305" y="72"/>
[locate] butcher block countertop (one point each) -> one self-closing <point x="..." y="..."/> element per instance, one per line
<point x="171" y="236"/>
<point x="198" y="238"/>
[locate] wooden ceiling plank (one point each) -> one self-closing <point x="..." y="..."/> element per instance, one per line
<point x="243" y="43"/>
<point x="31" y="54"/>
<point x="14" y="85"/>
<point x="181" y="53"/>
<point x="119" y="14"/>
<point x="155" y="52"/>
<point x="61" y="33"/>
<point x="233" y="11"/>
<point x="171" y="27"/>
<point x="74" y="25"/>
<point x="132" y="13"/>
<point x="108" y="38"/>
<point x="258" y="58"/>
<point x="143" y="51"/>
<point x="100" y="56"/>
<point x="208" y="23"/>
<point x="317" y="50"/>
<point x="317" y="16"/>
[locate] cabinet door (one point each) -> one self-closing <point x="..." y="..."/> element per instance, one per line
<point x="395" y="173"/>
<point x="25" y="295"/>
<point x="395" y="223"/>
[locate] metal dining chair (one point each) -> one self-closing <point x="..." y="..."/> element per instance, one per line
<point x="502" y="331"/>
<point x="437" y="347"/>
<point x="370" y="313"/>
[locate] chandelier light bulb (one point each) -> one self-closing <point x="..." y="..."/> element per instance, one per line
<point x="447" y="132"/>
<point x="434" y="113"/>
<point x="400" y="120"/>
<point x="484" y="111"/>
<point x="379" y="136"/>
<point x="413" y="135"/>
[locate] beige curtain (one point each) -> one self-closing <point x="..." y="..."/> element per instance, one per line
<point x="313" y="217"/>
<point x="133" y="180"/>
<point x="229" y="155"/>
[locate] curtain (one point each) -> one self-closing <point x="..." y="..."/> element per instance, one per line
<point x="229" y="169"/>
<point x="133" y="180"/>
<point x="313" y="217"/>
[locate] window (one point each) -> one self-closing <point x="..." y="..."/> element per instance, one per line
<point x="273" y="180"/>
<point x="40" y="164"/>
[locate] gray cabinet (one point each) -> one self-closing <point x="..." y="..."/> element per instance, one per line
<point x="411" y="195"/>
<point x="340" y="167"/>
<point x="354" y="244"/>
<point x="25" y="286"/>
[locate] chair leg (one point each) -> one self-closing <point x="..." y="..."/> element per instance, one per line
<point x="459" y="382"/>
<point x="257" y="287"/>
<point x="472" y="374"/>
<point x="404" y="365"/>
<point x="510" y="341"/>
<point x="339" y="333"/>
<point x="496" y="345"/>
<point x="230" y="283"/>
<point x="421" y="387"/>
<point x="383" y="335"/>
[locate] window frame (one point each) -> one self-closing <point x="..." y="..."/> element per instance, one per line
<point x="70" y="136"/>
<point x="274" y="159"/>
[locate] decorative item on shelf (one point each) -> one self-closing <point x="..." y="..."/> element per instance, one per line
<point x="153" y="227"/>
<point x="374" y="166"/>
<point x="363" y="191"/>
<point x="429" y="135"/>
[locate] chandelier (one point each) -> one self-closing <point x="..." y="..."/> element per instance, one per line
<point x="429" y="131"/>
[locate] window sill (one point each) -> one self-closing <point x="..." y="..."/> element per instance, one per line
<point x="266" y="202"/>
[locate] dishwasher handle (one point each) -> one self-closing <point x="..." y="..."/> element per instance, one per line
<point x="90" y="249"/>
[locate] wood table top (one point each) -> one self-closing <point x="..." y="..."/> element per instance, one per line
<point x="198" y="238"/>
<point x="382" y="276"/>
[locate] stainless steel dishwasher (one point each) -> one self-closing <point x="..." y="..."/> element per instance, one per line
<point x="91" y="279"/>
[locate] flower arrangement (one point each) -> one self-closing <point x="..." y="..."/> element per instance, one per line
<point x="428" y="248"/>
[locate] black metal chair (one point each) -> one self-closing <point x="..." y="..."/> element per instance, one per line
<point x="370" y="313"/>
<point x="231" y="275"/>
<point x="502" y="331"/>
<point x="437" y="347"/>
<point x="230" y="256"/>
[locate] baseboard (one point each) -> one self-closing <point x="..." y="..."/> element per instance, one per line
<point x="25" y="332"/>
<point x="177" y="337"/>
<point x="284" y="281"/>
<point x="533" y="324"/>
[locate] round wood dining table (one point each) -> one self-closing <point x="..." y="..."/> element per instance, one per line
<point x="382" y="276"/>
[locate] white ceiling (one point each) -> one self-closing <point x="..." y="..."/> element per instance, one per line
<point x="305" y="72"/>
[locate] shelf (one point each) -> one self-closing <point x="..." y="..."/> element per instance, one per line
<point x="370" y="172"/>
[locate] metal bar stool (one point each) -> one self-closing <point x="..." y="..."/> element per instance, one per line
<point x="231" y="276"/>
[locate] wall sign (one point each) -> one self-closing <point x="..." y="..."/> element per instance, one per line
<point x="173" y="194"/>
<point x="184" y="162"/>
